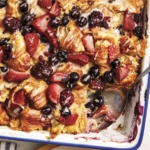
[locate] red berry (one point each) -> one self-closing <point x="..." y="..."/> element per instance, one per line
<point x="53" y="92"/>
<point x="45" y="3"/>
<point x="32" y="40"/>
<point x="128" y="23"/>
<point x="55" y="10"/>
<point x="50" y="34"/>
<point x="1" y="53"/>
<point x="58" y="76"/>
<point x="80" y="59"/>
<point x="66" y="98"/>
<point x="41" y="23"/>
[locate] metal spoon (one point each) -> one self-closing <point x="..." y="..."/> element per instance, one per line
<point x="117" y="99"/>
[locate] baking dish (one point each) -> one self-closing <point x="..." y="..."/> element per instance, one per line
<point x="128" y="138"/>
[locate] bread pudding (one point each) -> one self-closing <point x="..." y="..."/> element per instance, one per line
<point x="57" y="56"/>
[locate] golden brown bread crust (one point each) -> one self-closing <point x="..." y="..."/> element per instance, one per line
<point x="4" y="118"/>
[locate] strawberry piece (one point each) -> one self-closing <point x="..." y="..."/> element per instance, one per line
<point x="101" y="111"/>
<point x="20" y="98"/>
<point x="53" y="92"/>
<point x="80" y="59"/>
<point x="113" y="52"/>
<point x="41" y="23"/>
<point x="45" y="3"/>
<point x="58" y="76"/>
<point x="50" y="34"/>
<point x="1" y="53"/>
<point x="121" y="73"/>
<point x="55" y="10"/>
<point x="32" y="40"/>
<point x="128" y="23"/>
<point x="70" y="120"/>
<point x="109" y="118"/>
<point x="16" y="76"/>
<point x="88" y="42"/>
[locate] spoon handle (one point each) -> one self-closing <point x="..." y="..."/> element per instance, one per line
<point x="142" y="74"/>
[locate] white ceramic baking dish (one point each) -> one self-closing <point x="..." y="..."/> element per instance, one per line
<point x="129" y="137"/>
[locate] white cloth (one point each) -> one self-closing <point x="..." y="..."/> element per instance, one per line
<point x="8" y="146"/>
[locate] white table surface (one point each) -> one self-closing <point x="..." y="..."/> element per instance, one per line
<point x="144" y="146"/>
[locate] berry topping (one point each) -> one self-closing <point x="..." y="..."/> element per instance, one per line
<point x="66" y="98"/>
<point x="46" y="110"/>
<point x="138" y="18"/>
<point x="26" y="29"/>
<point x="86" y="78"/>
<point x="4" y="69"/>
<point x="70" y="120"/>
<point x="74" y="77"/>
<point x="12" y="24"/>
<point x="3" y="3"/>
<point x="128" y="23"/>
<point x="53" y="92"/>
<point x="41" y="23"/>
<point x="65" y="112"/>
<point x="98" y="100"/>
<point x="1" y="53"/>
<point x="80" y="59"/>
<point x="65" y="20"/>
<point x="53" y="60"/>
<point x="113" y="52"/>
<point x="32" y="40"/>
<point x="75" y="12"/>
<point x="81" y="21"/>
<point x="55" y="10"/>
<point x="27" y="17"/>
<point x="115" y="63"/>
<point x="109" y="76"/>
<point x="62" y="55"/>
<point x="138" y="31"/>
<point x="121" y="73"/>
<point x="50" y="34"/>
<point x="8" y="47"/>
<point x="23" y="6"/>
<point x="55" y="22"/>
<point x="90" y="105"/>
<point x="68" y="84"/>
<point x="3" y="41"/>
<point x="58" y="77"/>
<point x="41" y="70"/>
<point x="96" y="84"/>
<point x="53" y="50"/>
<point x="16" y="76"/>
<point x="20" y="97"/>
<point x="88" y="43"/>
<point x="94" y="71"/>
<point x="45" y="3"/>
<point x="95" y="19"/>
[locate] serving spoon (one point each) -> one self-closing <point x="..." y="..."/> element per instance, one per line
<point x="117" y="99"/>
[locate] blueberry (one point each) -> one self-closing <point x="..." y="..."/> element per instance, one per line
<point x="43" y="38"/>
<point x="69" y="85"/>
<point x="27" y="17"/>
<point x="109" y="76"/>
<point x="62" y="55"/>
<point x="75" y="12"/>
<point x="90" y="105"/>
<point x="81" y="21"/>
<point x="115" y="63"/>
<point x="53" y="60"/>
<point x="65" y="112"/>
<point x="98" y="100"/>
<point x="55" y="22"/>
<point x="86" y="78"/>
<point x="94" y="71"/>
<point x="74" y="77"/>
<point x="47" y="110"/>
<point x="138" y="31"/>
<point x="4" y="69"/>
<point x="3" y="41"/>
<point x="8" y="47"/>
<point x="53" y="50"/>
<point x="3" y="3"/>
<point x="65" y="20"/>
<point x="23" y="6"/>
<point x="26" y="29"/>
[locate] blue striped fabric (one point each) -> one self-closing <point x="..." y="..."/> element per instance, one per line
<point x="8" y="146"/>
